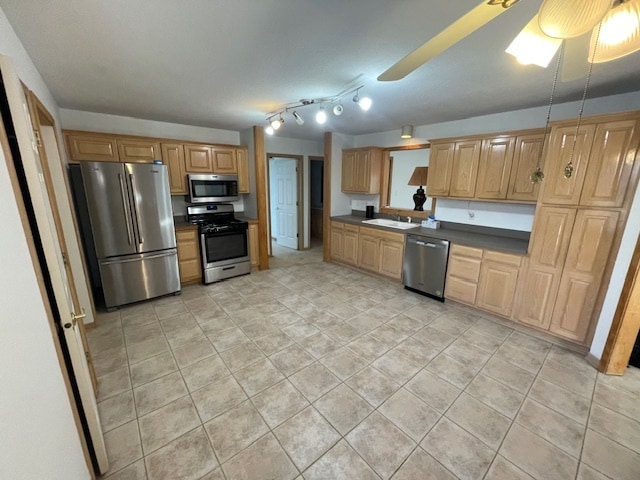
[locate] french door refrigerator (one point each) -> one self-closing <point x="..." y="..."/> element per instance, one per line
<point x="132" y="224"/>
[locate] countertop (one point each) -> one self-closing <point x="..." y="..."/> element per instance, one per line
<point x="511" y="241"/>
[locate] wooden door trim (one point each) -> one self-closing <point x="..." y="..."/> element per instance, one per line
<point x="326" y="200"/>
<point x="299" y="195"/>
<point x="626" y="322"/>
<point x="260" y="160"/>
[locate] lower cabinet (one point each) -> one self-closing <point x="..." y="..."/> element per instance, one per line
<point x="254" y="251"/>
<point x="189" y="263"/>
<point x="485" y="279"/>
<point x="374" y="250"/>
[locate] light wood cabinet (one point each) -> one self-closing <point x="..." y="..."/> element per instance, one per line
<point x="464" y="171"/>
<point x="463" y="273"/>
<point x="610" y="164"/>
<point x="337" y="241"/>
<point x="173" y="157"/>
<point x="589" y="249"/>
<point x="198" y="159"/>
<point x="557" y="189"/>
<point x="189" y="263"/>
<point x="496" y="159"/>
<point x="391" y="257"/>
<point x="498" y="282"/>
<point x="350" y="244"/>
<point x="91" y="147"/>
<point x="242" y="157"/>
<point x="138" y="150"/>
<point x="368" y="251"/>
<point x="361" y="170"/>
<point x="254" y="252"/>
<point x="440" y="165"/>
<point x="223" y="160"/>
<point x="548" y="249"/>
<point x="527" y="156"/>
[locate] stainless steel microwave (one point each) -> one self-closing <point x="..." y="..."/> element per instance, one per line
<point x="209" y="188"/>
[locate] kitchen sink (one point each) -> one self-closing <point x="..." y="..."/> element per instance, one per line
<point x="385" y="222"/>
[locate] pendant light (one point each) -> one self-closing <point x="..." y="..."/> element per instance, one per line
<point x="619" y="33"/>
<point x="571" y="18"/>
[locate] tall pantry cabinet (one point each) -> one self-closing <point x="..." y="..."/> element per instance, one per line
<point x="580" y="215"/>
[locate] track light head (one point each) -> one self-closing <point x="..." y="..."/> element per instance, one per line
<point x="277" y="123"/>
<point x="338" y="109"/>
<point x="269" y="130"/>
<point x="321" y="116"/>
<point x="298" y="118"/>
<point x="364" y="103"/>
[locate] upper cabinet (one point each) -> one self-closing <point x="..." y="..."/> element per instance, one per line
<point x="181" y="158"/>
<point x="361" y="169"/>
<point x="495" y="168"/>
<point x="602" y="160"/>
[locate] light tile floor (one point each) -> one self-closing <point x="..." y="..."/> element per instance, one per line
<point x="312" y="370"/>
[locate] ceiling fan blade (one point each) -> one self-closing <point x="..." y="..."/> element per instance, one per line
<point x="461" y="28"/>
<point x="575" y="61"/>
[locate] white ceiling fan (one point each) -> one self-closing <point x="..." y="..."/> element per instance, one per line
<point x="615" y="23"/>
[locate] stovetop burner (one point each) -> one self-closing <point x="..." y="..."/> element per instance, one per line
<point x="214" y="218"/>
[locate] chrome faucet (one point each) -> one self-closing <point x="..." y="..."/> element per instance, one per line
<point x="398" y="217"/>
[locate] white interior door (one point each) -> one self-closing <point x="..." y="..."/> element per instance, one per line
<point x="285" y="197"/>
<point x="55" y="263"/>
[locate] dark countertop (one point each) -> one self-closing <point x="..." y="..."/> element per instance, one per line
<point x="510" y="241"/>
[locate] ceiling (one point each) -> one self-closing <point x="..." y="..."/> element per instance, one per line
<point x="227" y="63"/>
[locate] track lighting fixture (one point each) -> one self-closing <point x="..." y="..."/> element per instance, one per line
<point x="321" y="116"/>
<point x="407" y="131"/>
<point x="275" y="119"/>
<point x="298" y="118"/>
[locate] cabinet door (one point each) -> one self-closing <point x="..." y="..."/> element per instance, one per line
<point x="362" y="171"/>
<point x="349" y="172"/>
<point x="548" y="248"/>
<point x="460" y="290"/>
<point x="610" y="164"/>
<point x="197" y="159"/>
<point x="556" y="188"/>
<point x="464" y="171"/>
<point x="440" y="165"/>
<point x="254" y="252"/>
<point x="242" y="155"/>
<point x="173" y="157"/>
<point x="189" y="255"/>
<point x="91" y="147"/>
<point x="369" y="253"/>
<point x="350" y="246"/>
<point x="391" y="255"/>
<point x="224" y="160"/>
<point x="337" y="241"/>
<point x="589" y="250"/>
<point x="526" y="157"/>
<point x="496" y="158"/>
<point x="138" y="151"/>
<point x="497" y="287"/>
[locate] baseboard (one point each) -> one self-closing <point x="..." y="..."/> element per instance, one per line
<point x="593" y="360"/>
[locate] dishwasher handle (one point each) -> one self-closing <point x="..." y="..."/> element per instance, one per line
<point x="428" y="242"/>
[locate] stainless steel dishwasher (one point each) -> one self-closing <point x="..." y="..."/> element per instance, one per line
<point x="425" y="265"/>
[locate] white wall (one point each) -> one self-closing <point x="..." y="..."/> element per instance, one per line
<point x="101" y="122"/>
<point x="275" y="145"/>
<point x="35" y="413"/>
<point x="487" y="214"/>
<point x="250" y="200"/>
<point x="340" y="202"/>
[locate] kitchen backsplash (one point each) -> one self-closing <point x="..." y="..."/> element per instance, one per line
<point x="510" y="216"/>
<point x="179" y="205"/>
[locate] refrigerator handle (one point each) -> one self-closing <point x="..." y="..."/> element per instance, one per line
<point x="135" y="207"/>
<point x="125" y="204"/>
<point x="116" y="261"/>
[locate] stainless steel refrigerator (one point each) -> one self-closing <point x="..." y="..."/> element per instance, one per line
<point x="132" y="225"/>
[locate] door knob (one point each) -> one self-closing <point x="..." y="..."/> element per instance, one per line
<point x="74" y="319"/>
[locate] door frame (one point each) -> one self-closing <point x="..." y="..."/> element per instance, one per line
<point x="317" y="159"/>
<point x="299" y="197"/>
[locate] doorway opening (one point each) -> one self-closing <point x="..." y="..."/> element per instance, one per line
<point x="316" y="201"/>
<point x="284" y="181"/>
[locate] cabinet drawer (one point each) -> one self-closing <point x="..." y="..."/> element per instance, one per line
<point x="351" y="228"/>
<point x="337" y="226"/>
<point x="460" y="290"/>
<point x="464" y="268"/>
<point x="465" y="251"/>
<point x="382" y="234"/>
<point x="501" y="257"/>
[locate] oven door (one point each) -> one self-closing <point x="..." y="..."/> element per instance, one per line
<point x="224" y="248"/>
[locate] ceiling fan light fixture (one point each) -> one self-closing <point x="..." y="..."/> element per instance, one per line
<point x="571" y="18"/>
<point x="532" y="46"/>
<point x="321" y="116"/>
<point x="619" y="33"/>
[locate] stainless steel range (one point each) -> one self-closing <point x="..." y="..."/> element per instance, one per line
<point x="224" y="241"/>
